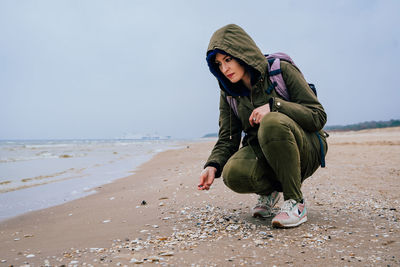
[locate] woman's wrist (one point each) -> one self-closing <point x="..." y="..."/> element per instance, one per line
<point x="216" y="166"/>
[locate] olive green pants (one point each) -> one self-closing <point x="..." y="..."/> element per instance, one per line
<point x="290" y="156"/>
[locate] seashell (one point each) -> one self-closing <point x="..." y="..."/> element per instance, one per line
<point x="136" y="261"/>
<point x="259" y="242"/>
<point x="167" y="253"/>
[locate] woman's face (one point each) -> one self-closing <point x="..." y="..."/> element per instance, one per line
<point x="230" y="67"/>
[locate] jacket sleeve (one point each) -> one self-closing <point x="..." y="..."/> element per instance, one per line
<point x="229" y="137"/>
<point x="303" y="107"/>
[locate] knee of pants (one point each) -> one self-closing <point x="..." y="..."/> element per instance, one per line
<point x="234" y="176"/>
<point x="273" y="126"/>
<point x="242" y="171"/>
<point x="248" y="176"/>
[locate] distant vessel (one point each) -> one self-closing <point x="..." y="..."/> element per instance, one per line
<point x="145" y="137"/>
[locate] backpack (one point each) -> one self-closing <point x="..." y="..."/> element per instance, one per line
<point x="278" y="83"/>
<point x="275" y="74"/>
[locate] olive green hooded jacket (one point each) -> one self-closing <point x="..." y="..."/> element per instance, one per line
<point x="303" y="107"/>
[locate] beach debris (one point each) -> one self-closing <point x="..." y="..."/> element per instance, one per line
<point x="259" y="242"/>
<point x="386" y="243"/>
<point x="5" y="182"/>
<point x="65" y="156"/>
<point x="307" y="235"/>
<point x="143" y="203"/>
<point x="136" y="261"/>
<point x="153" y="259"/>
<point x="106" y="221"/>
<point x="30" y="256"/>
<point x="28" y="235"/>
<point x="137" y="248"/>
<point x="166" y="253"/>
<point x="207" y="223"/>
<point x="96" y="250"/>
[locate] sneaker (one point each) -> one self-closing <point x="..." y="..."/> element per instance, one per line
<point x="265" y="205"/>
<point x="291" y="214"/>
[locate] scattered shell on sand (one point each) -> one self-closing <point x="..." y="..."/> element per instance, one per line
<point x="193" y="226"/>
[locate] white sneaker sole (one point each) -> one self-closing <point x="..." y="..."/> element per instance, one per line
<point x="278" y="224"/>
<point x="260" y="215"/>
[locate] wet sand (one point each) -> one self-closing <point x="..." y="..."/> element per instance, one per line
<point x="157" y="216"/>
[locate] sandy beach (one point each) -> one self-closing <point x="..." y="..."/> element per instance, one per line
<point x="157" y="216"/>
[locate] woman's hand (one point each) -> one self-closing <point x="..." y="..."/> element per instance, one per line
<point x="259" y="113"/>
<point x="207" y="178"/>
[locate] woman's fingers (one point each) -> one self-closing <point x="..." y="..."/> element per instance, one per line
<point x="203" y="177"/>
<point x="257" y="114"/>
<point x="253" y="118"/>
<point x="206" y="178"/>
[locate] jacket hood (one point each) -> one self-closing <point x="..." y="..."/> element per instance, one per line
<point x="233" y="40"/>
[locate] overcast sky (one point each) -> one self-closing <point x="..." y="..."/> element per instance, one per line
<point x="103" y="69"/>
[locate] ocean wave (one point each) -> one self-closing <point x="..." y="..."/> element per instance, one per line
<point x="71" y="173"/>
<point x="42" y="155"/>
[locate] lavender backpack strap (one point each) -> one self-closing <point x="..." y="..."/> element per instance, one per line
<point x="233" y="104"/>
<point x="275" y="74"/>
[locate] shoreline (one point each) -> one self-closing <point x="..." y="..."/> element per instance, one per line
<point x="352" y="219"/>
<point x="72" y="182"/>
<point x="93" y="220"/>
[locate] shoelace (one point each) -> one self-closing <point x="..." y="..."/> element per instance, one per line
<point x="288" y="205"/>
<point x="264" y="201"/>
<point x="261" y="201"/>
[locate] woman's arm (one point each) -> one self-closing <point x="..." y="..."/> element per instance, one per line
<point x="229" y="136"/>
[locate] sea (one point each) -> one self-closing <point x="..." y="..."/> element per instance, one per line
<point x="37" y="174"/>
